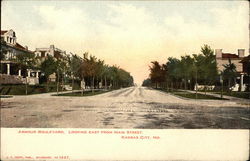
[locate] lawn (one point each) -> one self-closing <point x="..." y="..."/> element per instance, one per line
<point x="85" y="93"/>
<point x="199" y="96"/>
<point x="191" y="95"/>
<point x="245" y="95"/>
<point x="21" y="89"/>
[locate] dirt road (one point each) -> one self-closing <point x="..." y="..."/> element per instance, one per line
<point x="134" y="107"/>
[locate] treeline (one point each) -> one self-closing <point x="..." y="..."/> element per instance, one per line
<point x="90" y="70"/>
<point x="71" y="69"/>
<point x="189" y="70"/>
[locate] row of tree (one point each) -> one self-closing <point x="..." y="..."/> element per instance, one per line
<point x="189" y="70"/>
<point x="87" y="71"/>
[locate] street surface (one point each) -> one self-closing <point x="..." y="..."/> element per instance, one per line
<point x="134" y="107"/>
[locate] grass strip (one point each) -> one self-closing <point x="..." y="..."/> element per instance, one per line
<point x="245" y="95"/>
<point x="191" y="95"/>
<point x="79" y="94"/>
<point x="199" y="96"/>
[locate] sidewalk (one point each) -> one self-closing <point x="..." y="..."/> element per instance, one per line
<point x="231" y="98"/>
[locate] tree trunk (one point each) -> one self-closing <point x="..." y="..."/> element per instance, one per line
<point x="105" y="82"/>
<point x="205" y="89"/>
<point x="57" y="85"/>
<point x="82" y="86"/>
<point x="72" y="84"/>
<point x="222" y="89"/>
<point x="196" y="88"/>
<point x="93" y="84"/>
<point x="47" y="84"/>
<point x="97" y="80"/>
<point x="185" y="85"/>
<point x="26" y="86"/>
<point x="62" y="82"/>
<point x="229" y="84"/>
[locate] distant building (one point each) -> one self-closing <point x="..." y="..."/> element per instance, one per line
<point x="51" y="51"/>
<point x="223" y="58"/>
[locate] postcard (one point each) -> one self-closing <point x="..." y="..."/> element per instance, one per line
<point x="125" y="80"/>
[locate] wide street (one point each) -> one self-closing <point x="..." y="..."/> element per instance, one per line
<point x="134" y="107"/>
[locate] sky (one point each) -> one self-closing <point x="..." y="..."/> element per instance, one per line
<point x="129" y="34"/>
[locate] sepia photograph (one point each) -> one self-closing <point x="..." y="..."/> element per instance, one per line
<point x="125" y="66"/>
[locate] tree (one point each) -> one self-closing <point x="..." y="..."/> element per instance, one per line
<point x="48" y="67"/>
<point x="99" y="70"/>
<point x="157" y="73"/>
<point x="26" y="60"/>
<point x="229" y="73"/>
<point x="61" y="69"/>
<point x="106" y="74"/>
<point x="173" y="70"/>
<point x="187" y="69"/>
<point x="147" y="82"/>
<point x="206" y="66"/>
<point x="75" y="66"/>
<point x="89" y="69"/>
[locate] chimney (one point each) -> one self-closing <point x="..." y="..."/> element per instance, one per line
<point x="218" y="53"/>
<point x="26" y="47"/>
<point x="52" y="50"/>
<point x="241" y="53"/>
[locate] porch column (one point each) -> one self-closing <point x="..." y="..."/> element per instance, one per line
<point x="28" y="73"/>
<point x="241" y="82"/>
<point x="37" y="74"/>
<point x="19" y="72"/>
<point x="8" y="69"/>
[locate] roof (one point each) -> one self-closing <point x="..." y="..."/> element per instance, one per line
<point x="19" y="46"/>
<point x="3" y="32"/>
<point x="229" y="55"/>
<point x="245" y="59"/>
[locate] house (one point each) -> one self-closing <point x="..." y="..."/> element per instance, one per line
<point x="236" y="59"/>
<point x="223" y="58"/>
<point x="11" y="46"/>
<point x="246" y="64"/>
<point x="10" y="73"/>
<point x="51" y="51"/>
<point x="56" y="53"/>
